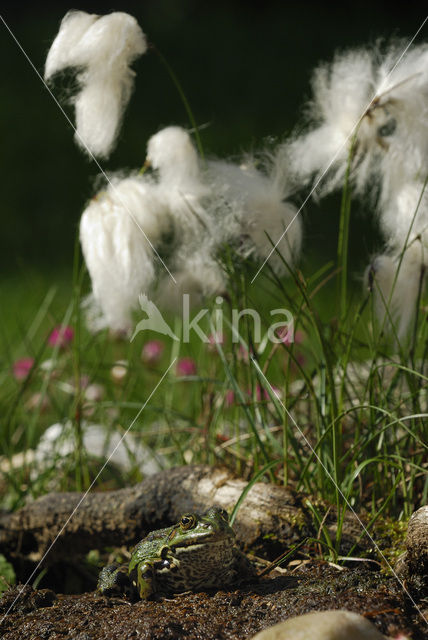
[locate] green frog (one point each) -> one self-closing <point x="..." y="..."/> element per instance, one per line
<point x="197" y="553"/>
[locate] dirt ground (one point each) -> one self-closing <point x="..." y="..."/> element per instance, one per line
<point x="232" y="614"/>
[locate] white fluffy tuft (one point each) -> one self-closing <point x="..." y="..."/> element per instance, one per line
<point x="381" y="99"/>
<point x="121" y="261"/>
<point x="395" y="281"/>
<point x="103" y="49"/>
<point x="171" y="152"/>
<point x="341" y="93"/>
<point x="115" y="230"/>
<point x="252" y="209"/>
<point x="389" y="105"/>
<point x="183" y="188"/>
<point x="64" y="51"/>
<point x="187" y="213"/>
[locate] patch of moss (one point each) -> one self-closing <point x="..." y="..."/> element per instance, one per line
<point x="7" y="574"/>
<point x="390" y="536"/>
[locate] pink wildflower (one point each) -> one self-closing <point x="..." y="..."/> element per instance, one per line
<point x="287" y="335"/>
<point x="274" y="391"/>
<point x="21" y="368"/>
<point x="213" y="340"/>
<point x="152" y="351"/>
<point x="299" y="362"/>
<point x="299" y="336"/>
<point x="37" y="401"/>
<point x="301" y="359"/>
<point x="229" y="398"/>
<point x="61" y="337"/>
<point x="186" y="367"/>
<point x="84" y="381"/>
<point x="243" y="354"/>
<point x="262" y="394"/>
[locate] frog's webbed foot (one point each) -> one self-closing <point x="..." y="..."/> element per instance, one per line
<point x="114" y="581"/>
<point x="113" y="600"/>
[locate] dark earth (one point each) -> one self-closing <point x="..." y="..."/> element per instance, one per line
<point x="231" y="614"/>
<point x="271" y="520"/>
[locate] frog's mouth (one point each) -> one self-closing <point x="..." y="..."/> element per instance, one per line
<point x="203" y="539"/>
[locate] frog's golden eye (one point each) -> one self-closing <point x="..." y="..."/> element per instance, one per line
<point x="187" y="521"/>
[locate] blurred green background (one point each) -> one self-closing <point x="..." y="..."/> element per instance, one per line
<point x="245" y="68"/>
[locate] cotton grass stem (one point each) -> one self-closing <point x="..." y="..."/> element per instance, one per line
<point x="183" y="97"/>
<point x="81" y="469"/>
<point x="343" y="240"/>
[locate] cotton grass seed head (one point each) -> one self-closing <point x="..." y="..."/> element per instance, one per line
<point x="377" y="95"/>
<point x="395" y="281"/>
<point x="171" y="152"/>
<point x="118" y="230"/>
<point x="370" y="109"/>
<point x="102" y="48"/>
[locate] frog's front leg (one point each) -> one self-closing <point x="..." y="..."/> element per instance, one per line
<point x="143" y="577"/>
<point x="147" y="575"/>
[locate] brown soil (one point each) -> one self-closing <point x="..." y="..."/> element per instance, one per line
<point x="234" y="614"/>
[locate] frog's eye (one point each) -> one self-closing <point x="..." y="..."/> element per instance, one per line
<point x="187" y="521"/>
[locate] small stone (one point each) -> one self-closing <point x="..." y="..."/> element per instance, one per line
<point x="119" y="371"/>
<point x="412" y="565"/>
<point x="94" y="392"/>
<point x="417" y="534"/>
<point x="323" y="625"/>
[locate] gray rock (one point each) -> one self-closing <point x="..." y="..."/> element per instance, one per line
<point x="323" y="625"/>
<point x="412" y="566"/>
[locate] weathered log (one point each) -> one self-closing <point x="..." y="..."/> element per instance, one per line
<point x="271" y="518"/>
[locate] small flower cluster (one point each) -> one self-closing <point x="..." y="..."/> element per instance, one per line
<point x="60" y="337"/>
